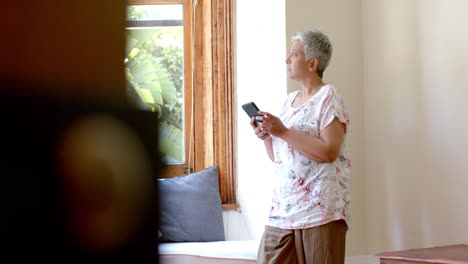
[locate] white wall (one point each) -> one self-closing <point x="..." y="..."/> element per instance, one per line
<point x="416" y="122"/>
<point x="341" y="21"/>
<point x="260" y="77"/>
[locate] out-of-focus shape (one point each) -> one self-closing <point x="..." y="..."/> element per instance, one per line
<point x="107" y="177"/>
<point x="65" y="48"/>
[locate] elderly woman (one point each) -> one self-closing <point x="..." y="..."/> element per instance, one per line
<point x="309" y="214"/>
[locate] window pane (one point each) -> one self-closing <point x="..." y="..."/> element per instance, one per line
<point x="154" y="12"/>
<point x="154" y="70"/>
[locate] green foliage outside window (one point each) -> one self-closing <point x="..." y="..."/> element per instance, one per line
<point x="154" y="70"/>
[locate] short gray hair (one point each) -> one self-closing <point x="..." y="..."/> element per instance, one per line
<point x="316" y="46"/>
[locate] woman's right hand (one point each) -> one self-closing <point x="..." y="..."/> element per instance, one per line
<point x="258" y="130"/>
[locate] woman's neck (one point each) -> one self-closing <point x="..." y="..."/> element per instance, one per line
<point x="310" y="88"/>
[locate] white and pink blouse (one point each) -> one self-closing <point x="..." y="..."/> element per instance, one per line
<point x="309" y="193"/>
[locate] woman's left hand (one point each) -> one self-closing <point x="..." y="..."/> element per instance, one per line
<point x="271" y="124"/>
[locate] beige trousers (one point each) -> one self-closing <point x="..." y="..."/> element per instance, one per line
<point x="323" y="244"/>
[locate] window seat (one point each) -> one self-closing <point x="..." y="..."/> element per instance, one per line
<point x="226" y="252"/>
<point x="222" y="252"/>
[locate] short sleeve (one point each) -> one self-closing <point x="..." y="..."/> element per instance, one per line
<point x="333" y="107"/>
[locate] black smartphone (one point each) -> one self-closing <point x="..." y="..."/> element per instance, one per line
<point x="252" y="110"/>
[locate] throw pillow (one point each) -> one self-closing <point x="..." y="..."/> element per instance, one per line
<point x="190" y="208"/>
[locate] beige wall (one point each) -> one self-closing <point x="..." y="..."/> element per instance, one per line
<point x="416" y="81"/>
<point x="341" y="21"/>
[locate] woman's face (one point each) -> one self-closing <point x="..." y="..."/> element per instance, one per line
<point x="297" y="66"/>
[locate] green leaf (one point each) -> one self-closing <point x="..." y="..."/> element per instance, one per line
<point x="142" y="35"/>
<point x="170" y="148"/>
<point x="157" y="98"/>
<point x="129" y="75"/>
<point x="169" y="95"/>
<point x="145" y="95"/>
<point x="131" y="43"/>
<point x="134" y="52"/>
<point x="141" y="70"/>
<point x="171" y="139"/>
<point x="147" y="77"/>
<point x="153" y="86"/>
<point x="157" y="109"/>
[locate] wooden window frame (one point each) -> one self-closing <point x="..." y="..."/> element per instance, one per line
<point x="208" y="47"/>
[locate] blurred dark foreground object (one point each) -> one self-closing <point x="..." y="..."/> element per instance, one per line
<point x="78" y="181"/>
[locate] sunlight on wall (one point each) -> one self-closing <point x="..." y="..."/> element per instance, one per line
<point x="261" y="78"/>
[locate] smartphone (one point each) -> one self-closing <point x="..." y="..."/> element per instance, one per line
<point x="252" y="110"/>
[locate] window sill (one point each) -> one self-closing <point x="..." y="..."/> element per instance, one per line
<point x="230" y="207"/>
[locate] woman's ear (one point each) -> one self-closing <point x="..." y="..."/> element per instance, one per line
<point x="313" y="65"/>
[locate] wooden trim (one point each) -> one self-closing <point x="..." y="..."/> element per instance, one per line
<point x="230" y="207"/>
<point x="208" y="78"/>
<point x="170" y="171"/>
<point x="198" y="94"/>
<point x="223" y="97"/>
<point x="214" y="87"/>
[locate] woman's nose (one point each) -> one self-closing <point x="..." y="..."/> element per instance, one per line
<point x="287" y="60"/>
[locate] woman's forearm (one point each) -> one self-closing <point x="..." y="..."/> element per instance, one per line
<point x="324" y="148"/>
<point x="313" y="147"/>
<point x="269" y="148"/>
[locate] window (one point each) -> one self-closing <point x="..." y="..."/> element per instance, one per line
<point x="179" y="63"/>
<point x="154" y="71"/>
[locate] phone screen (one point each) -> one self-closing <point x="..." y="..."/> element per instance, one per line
<point x="252" y="110"/>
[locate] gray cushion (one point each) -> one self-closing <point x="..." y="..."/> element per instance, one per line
<point x="190" y="208"/>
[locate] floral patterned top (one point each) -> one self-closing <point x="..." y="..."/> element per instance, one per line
<point x="308" y="193"/>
